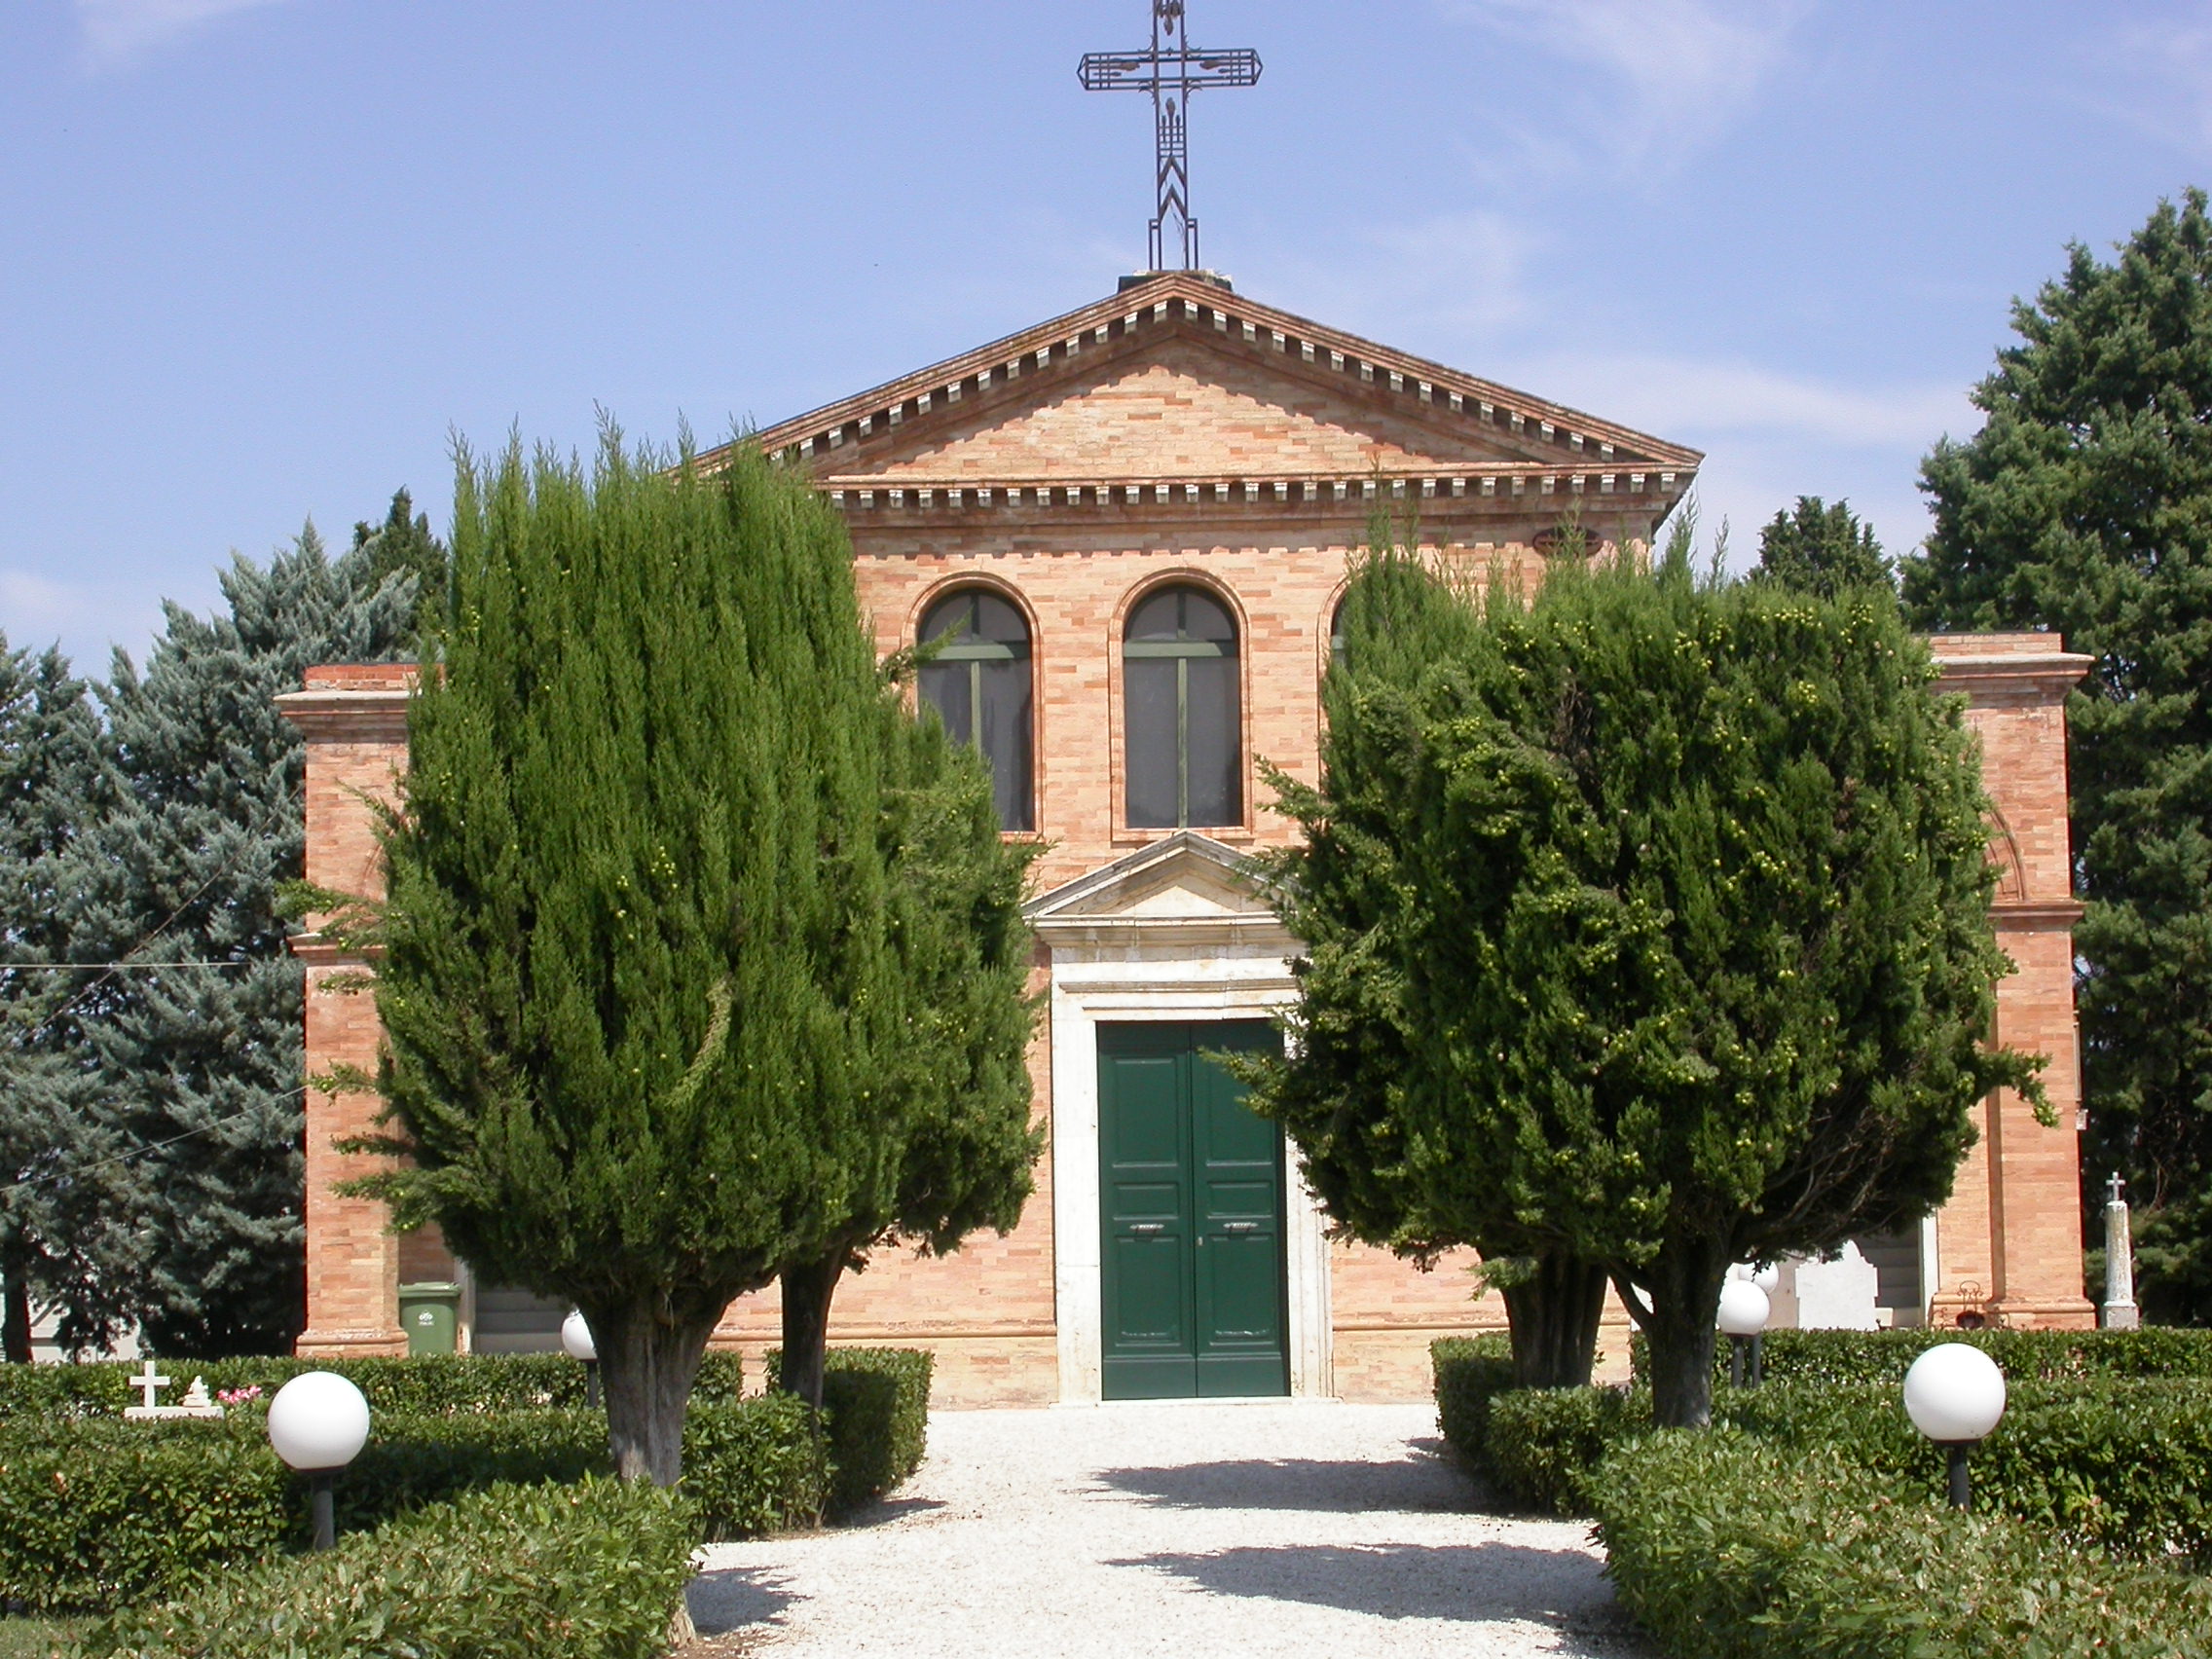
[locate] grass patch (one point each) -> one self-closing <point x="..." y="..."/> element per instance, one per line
<point x="38" y="1638"/>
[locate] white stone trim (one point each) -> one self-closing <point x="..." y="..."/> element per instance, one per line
<point x="1150" y="987"/>
<point x="1168" y="933"/>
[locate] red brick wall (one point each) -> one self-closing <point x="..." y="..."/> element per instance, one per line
<point x="2010" y="1242"/>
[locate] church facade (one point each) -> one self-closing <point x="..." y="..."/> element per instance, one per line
<point x="1137" y="522"/>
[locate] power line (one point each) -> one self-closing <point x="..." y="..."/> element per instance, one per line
<point x="121" y="967"/>
<point x="168" y="922"/>
<point x="150" y="1146"/>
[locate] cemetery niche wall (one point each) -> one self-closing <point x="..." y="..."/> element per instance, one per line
<point x="1135" y="521"/>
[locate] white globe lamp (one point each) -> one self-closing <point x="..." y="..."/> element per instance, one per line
<point x="1955" y="1394"/>
<point x="576" y="1343"/>
<point x="1742" y="1316"/>
<point x="318" y="1423"/>
<point x="1743" y="1308"/>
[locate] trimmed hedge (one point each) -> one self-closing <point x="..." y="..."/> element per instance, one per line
<point x="2122" y="1465"/>
<point x="589" y="1571"/>
<point x="878" y="1405"/>
<point x="441" y="1384"/>
<point x="1543" y="1444"/>
<point x="1727" y="1546"/>
<point x="1469" y="1372"/>
<point x="753" y="1467"/>
<point x="90" y="1520"/>
<point x="2047" y="1356"/>
<point x="98" y="1512"/>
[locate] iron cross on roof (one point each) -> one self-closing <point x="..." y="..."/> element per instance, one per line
<point x="1171" y="71"/>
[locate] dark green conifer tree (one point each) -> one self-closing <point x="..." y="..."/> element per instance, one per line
<point x="1341" y="1098"/>
<point x="66" y="1241"/>
<point x="2084" y="505"/>
<point x="637" y="980"/>
<point x="1675" y="894"/>
<point x="1822" y="549"/>
<point x="403" y="545"/>
<point x="200" y="1062"/>
<point x="959" y="1083"/>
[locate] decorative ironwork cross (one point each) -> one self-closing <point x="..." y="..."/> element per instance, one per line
<point x="1170" y="71"/>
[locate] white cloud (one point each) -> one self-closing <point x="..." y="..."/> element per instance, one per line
<point x="2159" y="81"/>
<point x="1678" y="72"/>
<point x="1769" y="437"/>
<point x="1683" y="398"/>
<point x="116" y="32"/>
<point x="35" y="609"/>
<point x="1458" y="274"/>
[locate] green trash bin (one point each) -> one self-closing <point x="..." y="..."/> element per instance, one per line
<point x="430" y="1315"/>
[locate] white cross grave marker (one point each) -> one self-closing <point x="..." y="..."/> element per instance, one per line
<point x="149" y="1382"/>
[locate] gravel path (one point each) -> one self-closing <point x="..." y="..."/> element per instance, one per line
<point x="1309" y="1531"/>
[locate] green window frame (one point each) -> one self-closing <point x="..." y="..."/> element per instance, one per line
<point x="978" y="677"/>
<point x="1183" y="733"/>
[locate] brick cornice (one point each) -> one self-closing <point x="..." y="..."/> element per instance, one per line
<point x="329" y="714"/>
<point x="312" y="950"/>
<point x="1990" y="666"/>
<point x="2036" y="915"/>
<point x="1476" y="496"/>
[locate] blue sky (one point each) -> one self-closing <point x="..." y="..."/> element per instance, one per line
<point x="259" y="258"/>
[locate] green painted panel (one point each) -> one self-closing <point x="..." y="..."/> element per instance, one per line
<point x="1191" y="1213"/>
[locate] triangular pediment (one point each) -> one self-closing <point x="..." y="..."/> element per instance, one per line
<point x="1186" y="878"/>
<point x="1177" y="381"/>
<point x="1174" y="408"/>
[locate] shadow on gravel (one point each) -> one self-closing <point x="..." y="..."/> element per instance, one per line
<point x="888" y="1509"/>
<point x="732" y="1597"/>
<point x="1472" y="1582"/>
<point x="1426" y="1485"/>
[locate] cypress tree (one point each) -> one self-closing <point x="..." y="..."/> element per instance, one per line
<point x="2084" y="505"/>
<point x="1676" y="895"/>
<point x="639" y="980"/>
<point x="1341" y="1098"/>
<point x="956" y="1088"/>
<point x="1822" y="549"/>
<point x="199" y="1063"/>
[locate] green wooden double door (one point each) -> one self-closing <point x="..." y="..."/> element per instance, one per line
<point x="1192" y="1210"/>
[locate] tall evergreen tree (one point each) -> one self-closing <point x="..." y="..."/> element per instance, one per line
<point x="639" y="980"/>
<point x="199" y="1063"/>
<point x="404" y="545"/>
<point x="1677" y="895"/>
<point x="1355" y="1049"/>
<point x="1822" y="549"/>
<point x="2084" y="505"/>
<point x="65" y="1195"/>
<point x="958" y="1086"/>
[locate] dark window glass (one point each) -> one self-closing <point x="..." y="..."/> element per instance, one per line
<point x="1337" y="635"/>
<point x="979" y="682"/>
<point x="1179" y="686"/>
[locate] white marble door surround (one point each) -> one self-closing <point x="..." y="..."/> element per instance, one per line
<point x="1171" y="931"/>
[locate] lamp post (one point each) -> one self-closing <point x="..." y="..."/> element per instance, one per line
<point x="318" y="1423"/>
<point x="1954" y="1393"/>
<point x="1743" y="1308"/>
<point x="577" y="1344"/>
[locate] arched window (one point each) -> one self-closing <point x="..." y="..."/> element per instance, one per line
<point x="1180" y="705"/>
<point x="978" y="681"/>
<point x="1337" y="635"/>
